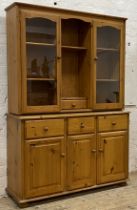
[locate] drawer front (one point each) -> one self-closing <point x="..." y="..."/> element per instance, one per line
<point x="80" y="125"/>
<point x="112" y="122"/>
<point x="44" y="128"/>
<point x="73" y="104"/>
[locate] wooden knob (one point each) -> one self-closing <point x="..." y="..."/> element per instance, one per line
<point x="101" y="150"/>
<point x="93" y="150"/>
<point x="63" y="155"/>
<point x="46" y="128"/>
<point x="73" y="105"/>
<point x="113" y="123"/>
<point x="82" y="125"/>
<point x="96" y="58"/>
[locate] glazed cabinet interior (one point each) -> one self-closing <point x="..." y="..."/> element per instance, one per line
<point x="64" y="62"/>
<point x="66" y="128"/>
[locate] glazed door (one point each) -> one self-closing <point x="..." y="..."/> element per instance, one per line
<point x="81" y="161"/>
<point x="108" y="66"/>
<point x="40" y="63"/>
<point x="44" y="166"/>
<point x="112" y="164"/>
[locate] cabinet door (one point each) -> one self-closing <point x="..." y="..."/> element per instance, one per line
<point x="81" y="161"/>
<point x="40" y="63"/>
<point x="44" y="166"/>
<point x="112" y="162"/>
<point x="108" y="66"/>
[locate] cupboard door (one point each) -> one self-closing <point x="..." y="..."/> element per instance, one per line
<point x="108" y="66"/>
<point x="112" y="162"/>
<point x="81" y="161"/>
<point x="40" y="66"/>
<point x="44" y="166"/>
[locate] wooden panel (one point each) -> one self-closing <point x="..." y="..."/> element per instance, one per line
<point x="74" y="104"/>
<point x="112" y="157"/>
<point x="82" y="160"/>
<point x="14" y="73"/>
<point x="15" y="156"/>
<point x="112" y="122"/>
<point x="44" y="128"/>
<point x="44" y="163"/>
<point x="79" y="125"/>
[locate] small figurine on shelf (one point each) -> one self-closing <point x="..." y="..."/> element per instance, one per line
<point x="45" y="68"/>
<point x="34" y="68"/>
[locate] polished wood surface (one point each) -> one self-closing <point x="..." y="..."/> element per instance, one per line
<point x="75" y="62"/>
<point x="44" y="128"/>
<point x="76" y="158"/>
<point x="62" y="138"/>
<point x="81" y="125"/>
<point x="82" y="161"/>
<point x="44" y="166"/>
<point x="112" y="123"/>
<point x="112" y="156"/>
<point x="14" y="60"/>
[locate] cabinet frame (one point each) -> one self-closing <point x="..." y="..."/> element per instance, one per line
<point x="34" y="128"/>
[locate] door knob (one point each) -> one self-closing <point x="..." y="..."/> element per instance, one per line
<point x="101" y="150"/>
<point x="93" y="150"/>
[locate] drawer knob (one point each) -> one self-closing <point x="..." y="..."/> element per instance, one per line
<point x="93" y="150"/>
<point x="82" y="125"/>
<point x="114" y="123"/>
<point x="101" y="150"/>
<point x="63" y="155"/>
<point x="46" y="128"/>
<point x="73" y="105"/>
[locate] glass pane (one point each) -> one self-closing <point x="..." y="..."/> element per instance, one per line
<point x="41" y="93"/>
<point x="40" y="30"/>
<point x="108" y="37"/>
<point x="108" y="65"/>
<point x="41" y="62"/>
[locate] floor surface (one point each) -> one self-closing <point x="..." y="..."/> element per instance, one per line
<point x="108" y="198"/>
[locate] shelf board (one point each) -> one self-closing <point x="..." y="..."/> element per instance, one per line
<point x="40" y="79"/>
<point x="100" y="49"/>
<point x="107" y="80"/>
<point x="41" y="44"/>
<point x="73" y="98"/>
<point x="73" y="47"/>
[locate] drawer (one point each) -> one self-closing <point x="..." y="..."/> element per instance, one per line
<point x="74" y="104"/>
<point x="112" y="122"/>
<point x="44" y="128"/>
<point x="80" y="125"/>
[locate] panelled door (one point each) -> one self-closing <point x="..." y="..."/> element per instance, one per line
<point x="112" y="162"/>
<point x="81" y="161"/>
<point x="44" y="166"/>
